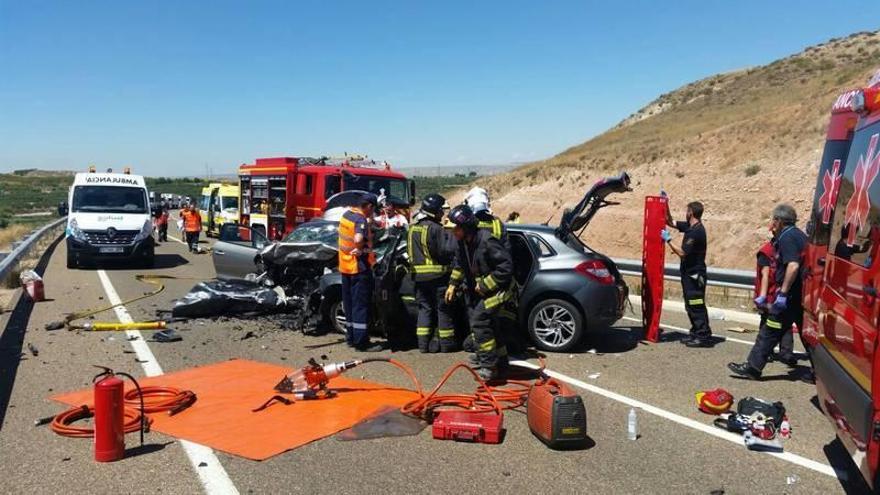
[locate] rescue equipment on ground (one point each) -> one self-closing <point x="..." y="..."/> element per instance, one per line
<point x="556" y="415"/>
<point x="717" y="401"/>
<point x="117" y="412"/>
<point x="653" y="259"/>
<point x="113" y="418"/>
<point x="476" y="417"/>
<point x="760" y="419"/>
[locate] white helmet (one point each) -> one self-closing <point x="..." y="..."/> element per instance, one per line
<point x="478" y="199"/>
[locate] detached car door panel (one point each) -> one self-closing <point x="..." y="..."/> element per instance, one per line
<point x="234" y="253"/>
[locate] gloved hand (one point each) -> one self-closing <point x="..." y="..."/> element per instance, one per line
<point x="450" y="294"/>
<point x="663" y="193"/>
<point x="761" y="303"/>
<point x="779" y="304"/>
<point x="665" y="235"/>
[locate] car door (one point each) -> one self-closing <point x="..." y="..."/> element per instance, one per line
<point x="234" y="252"/>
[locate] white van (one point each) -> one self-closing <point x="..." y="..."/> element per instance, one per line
<point x="109" y="219"/>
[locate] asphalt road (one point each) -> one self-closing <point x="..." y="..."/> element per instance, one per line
<point x="678" y="450"/>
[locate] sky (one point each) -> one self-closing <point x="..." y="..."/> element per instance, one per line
<point x="178" y="88"/>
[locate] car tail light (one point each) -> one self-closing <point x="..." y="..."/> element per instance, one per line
<point x="596" y="270"/>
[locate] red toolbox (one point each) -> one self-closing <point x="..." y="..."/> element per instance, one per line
<point x="464" y="426"/>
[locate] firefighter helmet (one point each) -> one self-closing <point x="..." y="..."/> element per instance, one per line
<point x="463" y="216"/>
<point x="432" y="204"/>
<point x="716" y="401"/>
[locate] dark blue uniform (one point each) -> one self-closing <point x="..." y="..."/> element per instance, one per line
<point x="790" y="245"/>
<point x="693" y="277"/>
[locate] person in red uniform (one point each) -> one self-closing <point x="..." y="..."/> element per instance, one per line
<point x="356" y="260"/>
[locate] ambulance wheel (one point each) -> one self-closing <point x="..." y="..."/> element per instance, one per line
<point x="555" y="325"/>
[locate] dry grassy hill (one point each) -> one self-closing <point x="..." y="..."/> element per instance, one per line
<point x="739" y="142"/>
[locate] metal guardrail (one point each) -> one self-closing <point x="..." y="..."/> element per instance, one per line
<point x="718" y="277"/>
<point x="23" y="248"/>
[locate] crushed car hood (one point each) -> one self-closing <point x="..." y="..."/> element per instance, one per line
<point x="291" y="253"/>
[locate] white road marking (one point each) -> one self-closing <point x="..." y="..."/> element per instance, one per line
<point x="685" y="331"/>
<point x="690" y="423"/>
<point x="213" y="477"/>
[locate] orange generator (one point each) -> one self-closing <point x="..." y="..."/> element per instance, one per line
<point x="557" y="415"/>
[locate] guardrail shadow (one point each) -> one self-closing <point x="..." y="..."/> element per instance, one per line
<point x="12" y="339"/>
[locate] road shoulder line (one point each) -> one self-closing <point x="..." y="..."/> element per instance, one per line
<point x="213" y="476"/>
<point x="690" y="423"/>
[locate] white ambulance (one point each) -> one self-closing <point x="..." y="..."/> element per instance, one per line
<point x="109" y="219"/>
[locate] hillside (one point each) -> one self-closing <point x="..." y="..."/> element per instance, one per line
<point x="739" y="142"/>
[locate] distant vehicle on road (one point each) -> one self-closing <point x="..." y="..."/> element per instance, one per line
<point x="565" y="287"/>
<point x="109" y="218"/>
<point x="277" y="194"/>
<point x="171" y="200"/>
<point x="218" y="206"/>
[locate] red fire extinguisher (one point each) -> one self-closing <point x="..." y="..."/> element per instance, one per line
<point x="110" y="415"/>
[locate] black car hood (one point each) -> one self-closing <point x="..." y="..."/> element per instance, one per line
<point x="291" y="253"/>
<point x="574" y="219"/>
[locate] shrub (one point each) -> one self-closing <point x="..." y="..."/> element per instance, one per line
<point x="752" y="169"/>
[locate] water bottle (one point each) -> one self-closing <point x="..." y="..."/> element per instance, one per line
<point x="632" y="425"/>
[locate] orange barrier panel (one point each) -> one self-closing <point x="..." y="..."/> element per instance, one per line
<point x="221" y="417"/>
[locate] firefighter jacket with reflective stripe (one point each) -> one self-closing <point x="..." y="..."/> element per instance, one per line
<point x="354" y="222"/>
<point x="486" y="266"/>
<point x="428" y="244"/>
<point x="494" y="226"/>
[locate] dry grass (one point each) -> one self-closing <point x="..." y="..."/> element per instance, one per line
<point x="11" y="234"/>
<point x="696" y="142"/>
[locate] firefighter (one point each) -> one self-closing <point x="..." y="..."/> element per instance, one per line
<point x="430" y="256"/>
<point x="356" y="260"/>
<point x="478" y="200"/>
<point x="787" y="309"/>
<point x="486" y="268"/>
<point x="765" y="294"/>
<point x="693" y="272"/>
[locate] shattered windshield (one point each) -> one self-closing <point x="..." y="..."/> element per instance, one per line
<point x="325" y="232"/>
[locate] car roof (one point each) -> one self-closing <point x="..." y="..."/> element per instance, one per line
<point x="530" y="227"/>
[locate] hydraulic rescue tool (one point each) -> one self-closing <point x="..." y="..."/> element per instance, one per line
<point x="557" y="415"/>
<point x="310" y="382"/>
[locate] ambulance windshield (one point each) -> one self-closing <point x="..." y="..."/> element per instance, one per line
<point x="109" y="199"/>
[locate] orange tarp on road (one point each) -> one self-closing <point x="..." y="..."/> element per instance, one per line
<point x="221" y="417"/>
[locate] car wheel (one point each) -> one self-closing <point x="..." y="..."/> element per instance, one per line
<point x="334" y="313"/>
<point x="555" y="325"/>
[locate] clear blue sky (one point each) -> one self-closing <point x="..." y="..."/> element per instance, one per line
<point x="171" y="86"/>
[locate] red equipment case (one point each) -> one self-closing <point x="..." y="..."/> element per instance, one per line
<point x="465" y="426"/>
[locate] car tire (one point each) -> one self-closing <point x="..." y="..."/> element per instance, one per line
<point x="555" y="325"/>
<point x="333" y="313"/>
<point x="72" y="261"/>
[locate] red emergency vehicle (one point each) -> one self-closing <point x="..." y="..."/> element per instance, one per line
<point x="277" y="194"/>
<point x="843" y="277"/>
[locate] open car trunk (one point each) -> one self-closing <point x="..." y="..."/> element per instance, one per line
<point x="577" y="218"/>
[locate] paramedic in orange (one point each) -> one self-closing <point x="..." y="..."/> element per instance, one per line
<point x="192" y="225"/>
<point x="356" y="260"/>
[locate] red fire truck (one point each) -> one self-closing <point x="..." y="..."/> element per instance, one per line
<point x="842" y="308"/>
<point x="277" y="194"/>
